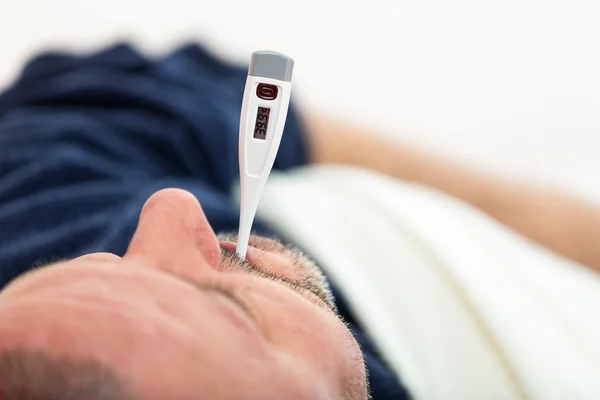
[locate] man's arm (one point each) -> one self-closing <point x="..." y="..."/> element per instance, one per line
<point x="567" y="225"/>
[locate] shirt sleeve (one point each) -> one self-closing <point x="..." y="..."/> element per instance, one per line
<point x="84" y="140"/>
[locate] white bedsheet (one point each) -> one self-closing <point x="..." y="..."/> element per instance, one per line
<point x="461" y="307"/>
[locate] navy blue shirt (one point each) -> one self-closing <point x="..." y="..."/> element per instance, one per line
<point x="85" y="140"/>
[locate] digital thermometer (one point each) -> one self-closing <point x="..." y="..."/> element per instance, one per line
<point x="264" y="111"/>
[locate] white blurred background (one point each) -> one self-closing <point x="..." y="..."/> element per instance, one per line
<point x="511" y="86"/>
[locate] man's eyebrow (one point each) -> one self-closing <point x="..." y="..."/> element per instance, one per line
<point x="36" y="266"/>
<point x="44" y="263"/>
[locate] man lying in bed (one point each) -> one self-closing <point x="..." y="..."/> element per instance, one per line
<point x="116" y="174"/>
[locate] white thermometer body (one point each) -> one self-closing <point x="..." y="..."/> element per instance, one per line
<point x="264" y="111"/>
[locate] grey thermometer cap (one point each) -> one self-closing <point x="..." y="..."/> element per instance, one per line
<point x="270" y="64"/>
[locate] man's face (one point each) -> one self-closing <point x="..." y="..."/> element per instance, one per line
<point x="180" y="315"/>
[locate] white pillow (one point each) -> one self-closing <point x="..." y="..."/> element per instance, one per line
<point x="460" y="306"/>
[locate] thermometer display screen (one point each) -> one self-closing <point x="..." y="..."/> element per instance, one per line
<point x="262" y="123"/>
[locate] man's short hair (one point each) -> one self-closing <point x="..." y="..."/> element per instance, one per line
<point x="37" y="375"/>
